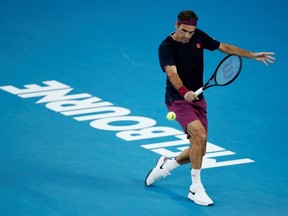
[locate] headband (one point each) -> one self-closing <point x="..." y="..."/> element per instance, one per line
<point x="190" y="21"/>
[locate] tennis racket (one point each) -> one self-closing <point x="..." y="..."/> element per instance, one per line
<point x="226" y="72"/>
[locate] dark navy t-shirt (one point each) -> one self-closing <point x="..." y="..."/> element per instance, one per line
<point x="188" y="59"/>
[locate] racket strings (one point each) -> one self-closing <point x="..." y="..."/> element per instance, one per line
<point x="228" y="70"/>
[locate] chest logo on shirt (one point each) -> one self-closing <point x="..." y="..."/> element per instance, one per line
<point x="198" y="45"/>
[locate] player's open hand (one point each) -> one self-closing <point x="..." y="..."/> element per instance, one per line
<point x="265" y="57"/>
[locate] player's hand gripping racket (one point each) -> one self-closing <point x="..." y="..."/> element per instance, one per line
<point x="226" y="72"/>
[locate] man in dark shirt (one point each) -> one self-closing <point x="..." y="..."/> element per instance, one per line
<point x="181" y="58"/>
<point x="188" y="58"/>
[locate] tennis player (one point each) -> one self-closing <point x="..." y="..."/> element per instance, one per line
<point x="181" y="58"/>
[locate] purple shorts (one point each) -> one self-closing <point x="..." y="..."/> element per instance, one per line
<point x="187" y="112"/>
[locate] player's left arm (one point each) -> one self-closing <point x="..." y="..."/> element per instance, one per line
<point x="265" y="57"/>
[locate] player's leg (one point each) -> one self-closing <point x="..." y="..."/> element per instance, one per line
<point x="183" y="157"/>
<point x="185" y="112"/>
<point x="198" y="141"/>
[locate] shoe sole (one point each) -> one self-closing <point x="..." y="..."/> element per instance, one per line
<point x="199" y="203"/>
<point x="146" y="179"/>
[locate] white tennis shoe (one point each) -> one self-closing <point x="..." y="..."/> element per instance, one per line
<point x="199" y="196"/>
<point x="157" y="172"/>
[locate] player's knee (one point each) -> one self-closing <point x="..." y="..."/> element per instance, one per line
<point x="199" y="138"/>
<point x="198" y="133"/>
<point x="202" y="138"/>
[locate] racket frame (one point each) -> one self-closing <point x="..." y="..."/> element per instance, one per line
<point x="213" y="77"/>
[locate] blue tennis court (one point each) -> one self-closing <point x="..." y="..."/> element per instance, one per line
<point x="83" y="118"/>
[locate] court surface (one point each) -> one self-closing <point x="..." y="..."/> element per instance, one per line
<point x="81" y="88"/>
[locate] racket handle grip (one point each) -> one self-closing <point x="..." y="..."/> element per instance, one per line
<point x="199" y="91"/>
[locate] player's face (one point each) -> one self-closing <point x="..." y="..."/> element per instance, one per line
<point x="184" y="32"/>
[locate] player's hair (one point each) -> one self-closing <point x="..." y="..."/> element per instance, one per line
<point x="186" y="15"/>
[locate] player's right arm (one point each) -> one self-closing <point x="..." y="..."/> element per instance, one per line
<point x="177" y="83"/>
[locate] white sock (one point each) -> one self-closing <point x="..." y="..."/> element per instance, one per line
<point x="171" y="165"/>
<point x="196" y="177"/>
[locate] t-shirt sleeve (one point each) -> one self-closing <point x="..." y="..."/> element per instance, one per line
<point x="209" y="42"/>
<point x="165" y="55"/>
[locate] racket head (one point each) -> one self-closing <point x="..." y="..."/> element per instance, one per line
<point x="228" y="70"/>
